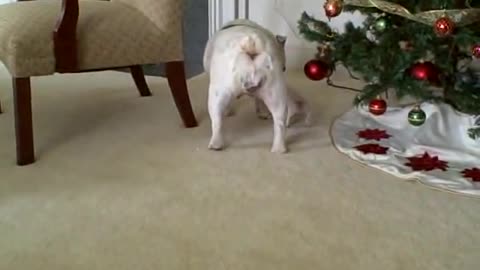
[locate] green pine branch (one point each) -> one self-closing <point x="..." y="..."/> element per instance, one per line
<point x="474" y="133"/>
<point x="383" y="63"/>
<point x="314" y="30"/>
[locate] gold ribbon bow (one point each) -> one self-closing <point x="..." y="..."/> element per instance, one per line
<point x="460" y="17"/>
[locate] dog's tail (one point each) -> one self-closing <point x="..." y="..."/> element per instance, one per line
<point x="253" y="64"/>
<point x="251" y="45"/>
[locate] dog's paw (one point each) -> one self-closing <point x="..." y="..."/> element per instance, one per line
<point x="289" y="122"/>
<point x="308" y="122"/>
<point x="216" y="144"/>
<point x="279" y="149"/>
<point x="264" y="115"/>
<point x="230" y="113"/>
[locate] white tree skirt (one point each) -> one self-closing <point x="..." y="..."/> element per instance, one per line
<point x="443" y="137"/>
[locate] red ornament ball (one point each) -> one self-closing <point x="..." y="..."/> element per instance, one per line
<point x="476" y="51"/>
<point x="377" y="106"/>
<point x="444" y="26"/>
<point x="333" y="8"/>
<point x="424" y="71"/>
<point x="317" y="70"/>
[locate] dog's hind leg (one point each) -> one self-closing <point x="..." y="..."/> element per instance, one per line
<point x="218" y="102"/>
<point x="230" y="111"/>
<point x="277" y="104"/>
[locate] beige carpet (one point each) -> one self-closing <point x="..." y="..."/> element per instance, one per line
<point x="119" y="184"/>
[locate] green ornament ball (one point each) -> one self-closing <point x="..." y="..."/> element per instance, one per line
<point x="417" y="116"/>
<point x="381" y="24"/>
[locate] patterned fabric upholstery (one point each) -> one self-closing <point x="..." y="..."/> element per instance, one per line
<point x="167" y="15"/>
<point x="110" y="34"/>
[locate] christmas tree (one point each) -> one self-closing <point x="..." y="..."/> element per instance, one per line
<point x="422" y="49"/>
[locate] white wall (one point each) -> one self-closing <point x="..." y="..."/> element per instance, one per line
<point x="6" y="1"/>
<point x="281" y="17"/>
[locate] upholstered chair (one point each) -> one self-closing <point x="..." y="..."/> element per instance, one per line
<point x="43" y="37"/>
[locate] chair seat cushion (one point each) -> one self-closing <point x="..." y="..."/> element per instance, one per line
<point x="109" y="35"/>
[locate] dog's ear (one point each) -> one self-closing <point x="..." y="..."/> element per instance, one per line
<point x="281" y="40"/>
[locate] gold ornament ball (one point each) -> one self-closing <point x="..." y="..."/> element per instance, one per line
<point x="417" y="116"/>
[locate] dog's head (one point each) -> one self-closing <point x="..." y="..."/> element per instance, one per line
<point x="281" y="41"/>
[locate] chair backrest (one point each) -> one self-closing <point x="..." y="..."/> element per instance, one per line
<point x="165" y="14"/>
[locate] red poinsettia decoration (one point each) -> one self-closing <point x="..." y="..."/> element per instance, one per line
<point x="372" y="148"/>
<point x="473" y="174"/>
<point x="373" y="134"/>
<point x="426" y="163"/>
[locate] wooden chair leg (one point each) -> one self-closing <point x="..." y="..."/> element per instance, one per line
<point x="175" y="72"/>
<point x="23" y="121"/>
<point x="140" y="82"/>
